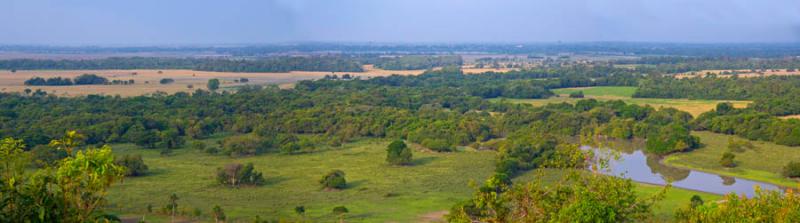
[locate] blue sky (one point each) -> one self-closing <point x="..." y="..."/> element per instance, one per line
<point x="165" y="22"/>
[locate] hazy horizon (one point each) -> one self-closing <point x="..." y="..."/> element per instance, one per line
<point x="183" y="22"/>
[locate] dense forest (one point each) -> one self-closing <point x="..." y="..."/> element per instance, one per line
<point x="84" y="79"/>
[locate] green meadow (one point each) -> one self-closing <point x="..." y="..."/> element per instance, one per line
<point x="377" y="192"/>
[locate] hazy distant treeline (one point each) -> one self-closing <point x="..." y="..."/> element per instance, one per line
<point x="417" y="62"/>
<point x="273" y="64"/>
<point x="673" y="64"/>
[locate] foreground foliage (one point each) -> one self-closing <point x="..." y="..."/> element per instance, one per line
<point x="766" y="206"/>
<point x="73" y="190"/>
<point x="576" y="197"/>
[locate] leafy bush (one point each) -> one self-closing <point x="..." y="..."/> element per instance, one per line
<point x="166" y="81"/>
<point x="87" y="79"/>
<point x="334" y="180"/>
<point x="577" y="94"/>
<point x="398" y="153"/>
<point x="235" y="174"/>
<point x="792" y="169"/>
<point x="727" y="160"/>
<point x="134" y="165"/>
<point x="213" y="84"/>
<point x="671" y="138"/>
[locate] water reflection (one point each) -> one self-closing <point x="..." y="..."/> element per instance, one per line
<point x="634" y="164"/>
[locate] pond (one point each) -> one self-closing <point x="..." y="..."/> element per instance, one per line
<point x="640" y="167"/>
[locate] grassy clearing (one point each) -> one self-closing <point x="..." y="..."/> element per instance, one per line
<point x="762" y="164"/>
<point x="694" y="107"/>
<point x="378" y="192"/>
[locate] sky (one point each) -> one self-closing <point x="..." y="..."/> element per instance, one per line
<point x="187" y="22"/>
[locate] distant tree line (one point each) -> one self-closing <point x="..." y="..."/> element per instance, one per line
<point x="681" y="64"/>
<point x="84" y="79"/>
<point x="270" y="64"/>
<point x="417" y="62"/>
<point x="773" y="95"/>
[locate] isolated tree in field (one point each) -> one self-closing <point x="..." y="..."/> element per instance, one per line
<point x="134" y="165"/>
<point x="334" y="180"/>
<point x="696" y="201"/>
<point x="170" y="139"/>
<point x="172" y="206"/>
<point x="219" y="214"/>
<point x="727" y="160"/>
<point x="166" y="81"/>
<point x="213" y="84"/>
<point x="792" y="169"/>
<point x="300" y="210"/>
<point x="235" y="174"/>
<point x="340" y="211"/>
<point x="398" y="153"/>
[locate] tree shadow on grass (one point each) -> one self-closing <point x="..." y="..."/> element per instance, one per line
<point x="268" y="181"/>
<point x="151" y="172"/>
<point x="423" y="161"/>
<point x="359" y="216"/>
<point x="355" y="183"/>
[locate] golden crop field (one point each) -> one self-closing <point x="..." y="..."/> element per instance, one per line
<point x="147" y="81"/>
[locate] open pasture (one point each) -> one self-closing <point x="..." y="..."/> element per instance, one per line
<point x="147" y="80"/>
<point x="377" y="192"/>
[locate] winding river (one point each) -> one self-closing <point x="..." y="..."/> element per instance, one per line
<point x="640" y="167"/>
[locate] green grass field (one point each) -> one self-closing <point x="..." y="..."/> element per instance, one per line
<point x="378" y="192"/>
<point x="762" y="164"/>
<point x="695" y="107"/>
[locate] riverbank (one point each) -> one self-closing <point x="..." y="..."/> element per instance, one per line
<point x="764" y="163"/>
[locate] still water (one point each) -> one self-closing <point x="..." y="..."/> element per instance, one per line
<point x="640" y="167"/>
